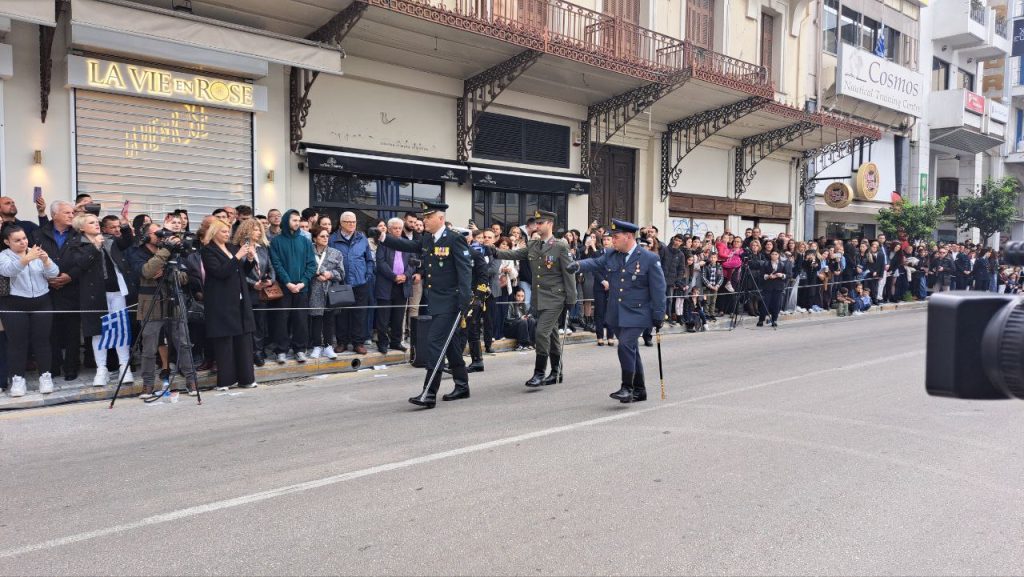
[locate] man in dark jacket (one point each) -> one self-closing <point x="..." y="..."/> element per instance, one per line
<point x="393" y="288"/>
<point x="9" y="213"/>
<point x="57" y="238"/>
<point x="295" y="265"/>
<point x="673" y="259"/>
<point x="359" y="265"/>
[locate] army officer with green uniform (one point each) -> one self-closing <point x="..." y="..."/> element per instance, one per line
<point x="554" y="289"/>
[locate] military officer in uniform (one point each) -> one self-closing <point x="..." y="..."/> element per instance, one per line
<point x="636" y="301"/>
<point x="554" y="290"/>
<point x="447" y="274"/>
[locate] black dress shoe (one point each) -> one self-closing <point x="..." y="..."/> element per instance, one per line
<point x="476" y="366"/>
<point x="489" y="350"/>
<point x="760" y="323"/>
<point x="458" y="393"/>
<point x="622" y="395"/>
<point x="400" y="347"/>
<point x="428" y="402"/>
<point x="639" y="396"/>
<point x="775" y="324"/>
<point x="71" y="377"/>
<point x="259" y="360"/>
<point x="648" y="343"/>
<point x="382" y="349"/>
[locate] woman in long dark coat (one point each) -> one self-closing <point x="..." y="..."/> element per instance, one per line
<point x="99" y="267"/>
<point x="229" y="319"/>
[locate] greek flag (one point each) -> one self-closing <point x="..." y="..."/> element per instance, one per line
<point x="117" y="330"/>
<point x="880" y="43"/>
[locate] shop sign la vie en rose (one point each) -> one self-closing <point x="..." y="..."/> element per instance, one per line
<point x="153" y="82"/>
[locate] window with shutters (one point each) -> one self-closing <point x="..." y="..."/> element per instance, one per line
<point x="700" y="23"/>
<point x="515" y="139"/>
<point x="768" y="43"/>
<point x="627" y="10"/>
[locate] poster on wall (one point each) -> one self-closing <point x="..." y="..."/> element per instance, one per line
<point x="693" y="226"/>
<point x="868" y="181"/>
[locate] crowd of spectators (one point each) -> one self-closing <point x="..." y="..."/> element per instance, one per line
<point x="256" y="285"/>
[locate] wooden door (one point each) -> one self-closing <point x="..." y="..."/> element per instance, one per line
<point x="700" y="23"/>
<point x="767" y="42"/>
<point x="613" y="188"/>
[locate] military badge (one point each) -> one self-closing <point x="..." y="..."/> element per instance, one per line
<point x="549" y="261"/>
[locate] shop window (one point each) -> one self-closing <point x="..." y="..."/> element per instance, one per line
<point x="513" y="208"/>
<point x="965" y="80"/>
<point x="515" y="139"/>
<point x="372" y="199"/>
<point x="947" y="188"/>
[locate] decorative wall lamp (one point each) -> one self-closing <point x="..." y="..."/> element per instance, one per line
<point x="37" y="157"/>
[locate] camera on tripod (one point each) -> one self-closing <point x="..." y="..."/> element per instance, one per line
<point x="975" y="346"/>
<point x="186" y="244"/>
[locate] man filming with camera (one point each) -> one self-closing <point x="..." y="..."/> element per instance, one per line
<point x="157" y="309"/>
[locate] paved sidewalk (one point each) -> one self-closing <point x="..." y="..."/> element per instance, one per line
<point x="82" y="389"/>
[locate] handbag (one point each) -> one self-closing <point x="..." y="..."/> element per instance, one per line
<point x="340" y="295"/>
<point x="271" y="293"/>
<point x="196" y="312"/>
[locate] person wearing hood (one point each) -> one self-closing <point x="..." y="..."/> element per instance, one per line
<point x="359" y="267"/>
<point x="295" y="264"/>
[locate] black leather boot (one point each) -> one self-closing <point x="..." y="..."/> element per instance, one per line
<point x="538" y="372"/>
<point x="477" y="366"/>
<point x="461" y="390"/>
<point x="625" y="392"/>
<point x="639" y="389"/>
<point x="556" y="375"/>
<point x="428" y="398"/>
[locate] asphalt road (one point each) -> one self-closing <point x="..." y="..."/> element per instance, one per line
<point x="808" y="450"/>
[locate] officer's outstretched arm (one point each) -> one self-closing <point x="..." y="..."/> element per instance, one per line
<point x="591" y="264"/>
<point x="401" y="244"/>
<point x="514" y="254"/>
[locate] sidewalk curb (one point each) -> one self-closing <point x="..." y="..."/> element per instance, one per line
<point x="273" y="372"/>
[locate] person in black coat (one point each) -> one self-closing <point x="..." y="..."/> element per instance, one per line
<point x="56" y="237"/>
<point x="229" y="319"/>
<point x="980" y="273"/>
<point x="394" y="271"/>
<point x="96" y="262"/>
<point x="772" y="276"/>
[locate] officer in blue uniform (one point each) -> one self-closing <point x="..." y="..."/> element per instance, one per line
<point x="447" y="283"/>
<point x="636" y="301"/>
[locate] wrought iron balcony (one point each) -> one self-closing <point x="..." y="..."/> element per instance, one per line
<point x="1002" y="27"/>
<point x="576" y="33"/>
<point x="978" y="12"/>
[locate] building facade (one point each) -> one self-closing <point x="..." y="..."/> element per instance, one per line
<point x="693" y="115"/>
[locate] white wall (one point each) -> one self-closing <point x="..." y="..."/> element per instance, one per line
<point x="707" y="170"/>
<point x="25" y="131"/>
<point x="272" y="139"/>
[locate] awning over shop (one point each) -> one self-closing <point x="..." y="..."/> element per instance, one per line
<point x="964" y="139"/>
<point x="34" y="11"/>
<point x="365" y="163"/>
<point x="494" y="178"/>
<point x="122" y="23"/>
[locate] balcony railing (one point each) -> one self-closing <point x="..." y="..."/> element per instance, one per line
<point x="571" y="31"/>
<point x="1003" y="28"/>
<point x="978" y="13"/>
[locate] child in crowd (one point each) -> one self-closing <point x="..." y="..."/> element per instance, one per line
<point x="861" y="302"/>
<point x="842" y="302"/>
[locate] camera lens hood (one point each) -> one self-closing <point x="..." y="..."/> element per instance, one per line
<point x="1002" y="350"/>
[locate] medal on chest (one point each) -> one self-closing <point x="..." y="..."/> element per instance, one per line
<point x="549" y="261"/>
<point x="636" y="271"/>
<point x="440" y="252"/>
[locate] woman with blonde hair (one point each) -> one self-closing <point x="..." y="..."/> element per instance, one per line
<point x="229" y="319"/>
<point x="259" y="277"/>
<point x="101" y="269"/>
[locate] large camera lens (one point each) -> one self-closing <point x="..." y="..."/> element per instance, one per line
<point x="1002" y="350"/>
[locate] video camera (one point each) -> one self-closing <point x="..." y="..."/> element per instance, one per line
<point x="188" y="242"/>
<point x="975" y="346"/>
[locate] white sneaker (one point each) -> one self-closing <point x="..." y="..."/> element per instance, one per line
<point x="128" y="377"/>
<point x="17" y="387"/>
<point x="45" y="383"/>
<point x="801" y="310"/>
<point x="251" y="385"/>
<point x="316" y="352"/>
<point x="301" y="356"/>
<point x="561" y="331"/>
<point x="282" y="358"/>
<point x="329" y="352"/>
<point x="101" y="378"/>
<point x="858" y="313"/>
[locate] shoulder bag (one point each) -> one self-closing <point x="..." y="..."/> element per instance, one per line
<point x="268" y="293"/>
<point x="340" y="295"/>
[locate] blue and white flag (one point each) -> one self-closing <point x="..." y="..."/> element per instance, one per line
<point x="880" y="44"/>
<point x="117" y="330"/>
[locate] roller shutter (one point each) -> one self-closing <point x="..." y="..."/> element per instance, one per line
<point x="161" y="155"/>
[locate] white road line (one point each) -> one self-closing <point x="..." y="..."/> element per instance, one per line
<point x="335" y="479"/>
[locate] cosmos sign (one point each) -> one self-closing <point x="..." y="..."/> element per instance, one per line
<point x="866" y="77"/>
<point x="141" y="80"/>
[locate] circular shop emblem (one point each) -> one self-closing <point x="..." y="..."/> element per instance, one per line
<point x="868" y="181"/>
<point x="838" y="195"/>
